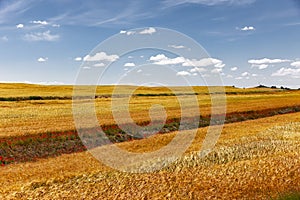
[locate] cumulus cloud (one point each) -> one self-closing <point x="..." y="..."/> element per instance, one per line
<point x="41" y="36"/>
<point x="216" y="70"/>
<point x="78" y="59"/>
<point x="261" y="66"/>
<point x="239" y="78"/>
<point x="197" y="69"/>
<point x="207" y="2"/>
<point x="150" y="31"/>
<point x="247" y="28"/>
<point x="127" y="32"/>
<point x="161" y="59"/>
<point x="99" y="65"/>
<point x="183" y="73"/>
<point x="287" y="71"/>
<point x="40" y="22"/>
<point x="130" y="64"/>
<point x="233" y="68"/>
<point x="296" y="64"/>
<point x="267" y="61"/>
<point x="20" y="25"/>
<point x="245" y="74"/>
<point x="101" y="56"/>
<point x="204" y="62"/>
<point x="41" y="59"/>
<point x="177" y="46"/>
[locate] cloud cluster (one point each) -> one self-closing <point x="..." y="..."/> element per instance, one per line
<point x="78" y="59"/>
<point x="41" y="36"/>
<point x="170" y="3"/>
<point x="147" y="31"/>
<point x="161" y="59"/>
<point x="101" y="56"/>
<point x="233" y="68"/>
<point x="129" y="64"/>
<point x="248" y="28"/>
<point x="41" y="59"/>
<point x="293" y="71"/>
<point x="39" y="22"/>
<point x="265" y="62"/>
<point x="198" y="65"/>
<point x="177" y="46"/>
<point x="19" y="26"/>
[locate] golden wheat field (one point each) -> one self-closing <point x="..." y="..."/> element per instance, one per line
<point x="257" y="155"/>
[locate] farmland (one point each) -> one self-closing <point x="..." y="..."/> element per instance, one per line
<point x="256" y="156"/>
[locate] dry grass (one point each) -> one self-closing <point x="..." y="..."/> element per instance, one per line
<point x="38" y="116"/>
<point x="248" y="163"/>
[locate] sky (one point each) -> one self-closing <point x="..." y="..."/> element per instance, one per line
<point x="243" y="42"/>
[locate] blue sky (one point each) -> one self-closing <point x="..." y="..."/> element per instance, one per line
<point x="250" y="42"/>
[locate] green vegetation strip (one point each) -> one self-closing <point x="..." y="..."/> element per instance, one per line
<point x="31" y="147"/>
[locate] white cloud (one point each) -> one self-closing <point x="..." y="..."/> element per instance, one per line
<point x="20" y="25"/>
<point x="158" y="57"/>
<point x="170" y="3"/>
<point x="56" y="25"/>
<point x="247" y="28"/>
<point x="216" y="70"/>
<point x="45" y="83"/>
<point x="245" y="74"/>
<point x="161" y="59"/>
<point x="129" y="64"/>
<point x="40" y="22"/>
<point x="78" y="59"/>
<point x="177" y="46"/>
<point x="267" y="61"/>
<point x="296" y="64"/>
<point x="204" y="62"/>
<point x="287" y="71"/>
<point x="127" y="32"/>
<point x="139" y="71"/>
<point x="130" y="57"/>
<point x="41" y="36"/>
<point x="4" y="38"/>
<point x="99" y="65"/>
<point x="229" y="76"/>
<point x="41" y="59"/>
<point x="233" y="68"/>
<point x="150" y="31"/>
<point x="197" y="69"/>
<point x="254" y="75"/>
<point x="239" y="78"/>
<point x="183" y="73"/>
<point x="261" y="66"/>
<point x="86" y="67"/>
<point x="101" y="56"/>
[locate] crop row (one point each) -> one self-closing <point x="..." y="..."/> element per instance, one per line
<point x="31" y="147"/>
